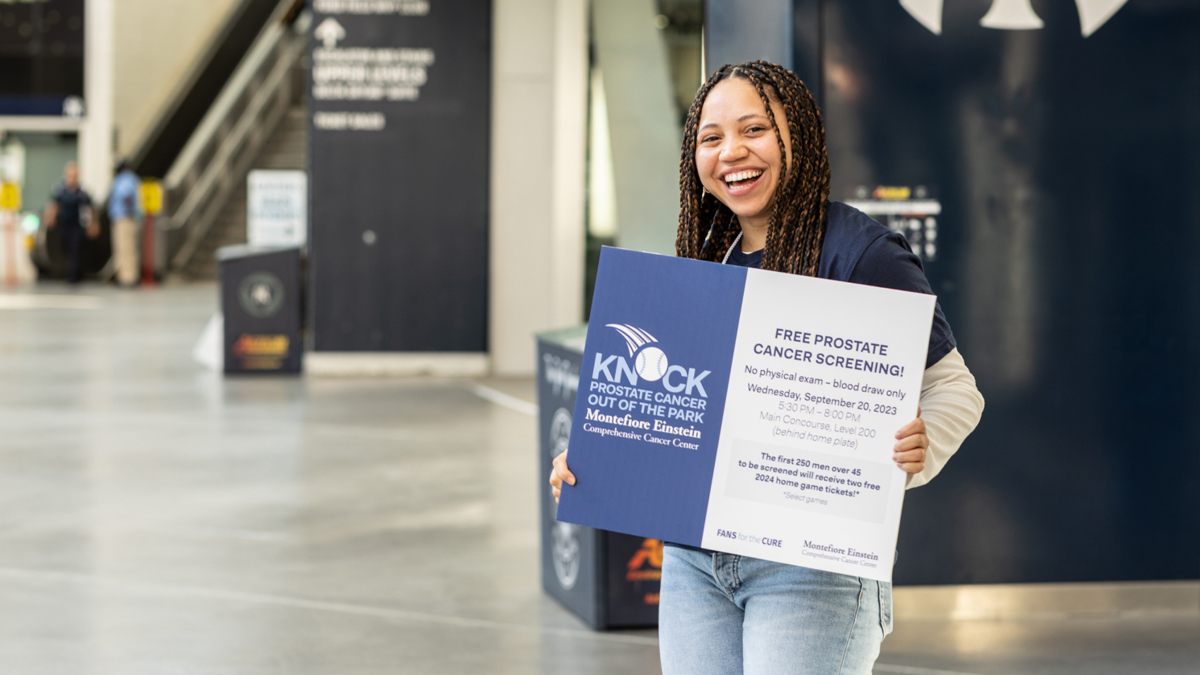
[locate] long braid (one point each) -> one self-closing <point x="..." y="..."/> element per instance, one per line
<point x="796" y="229"/>
<point x="699" y="212"/>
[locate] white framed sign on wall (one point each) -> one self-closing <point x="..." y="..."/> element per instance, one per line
<point x="276" y="208"/>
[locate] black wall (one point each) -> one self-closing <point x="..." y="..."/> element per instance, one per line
<point x="1068" y="264"/>
<point x="399" y="215"/>
<point x="41" y="56"/>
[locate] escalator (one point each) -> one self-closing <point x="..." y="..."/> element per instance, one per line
<point x="213" y="70"/>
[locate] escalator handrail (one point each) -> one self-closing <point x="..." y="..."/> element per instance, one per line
<point x="232" y="132"/>
<point x="178" y="118"/>
<point x="263" y="48"/>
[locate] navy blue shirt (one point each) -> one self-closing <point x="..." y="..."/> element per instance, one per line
<point x="70" y="205"/>
<point x="859" y="250"/>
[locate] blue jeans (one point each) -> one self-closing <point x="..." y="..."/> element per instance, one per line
<point x="728" y="614"/>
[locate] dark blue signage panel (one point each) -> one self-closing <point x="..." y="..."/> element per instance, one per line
<point x="1043" y="160"/>
<point x="399" y="105"/>
<point x="615" y="422"/>
<point x="1062" y="149"/>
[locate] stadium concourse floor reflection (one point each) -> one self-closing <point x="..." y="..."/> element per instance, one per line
<point x="158" y="518"/>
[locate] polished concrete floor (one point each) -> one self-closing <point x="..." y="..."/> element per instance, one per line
<point x="158" y="518"/>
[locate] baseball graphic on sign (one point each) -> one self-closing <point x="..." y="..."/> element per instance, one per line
<point x="651" y="364"/>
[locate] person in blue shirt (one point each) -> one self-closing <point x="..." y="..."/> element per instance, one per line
<point x="124" y="210"/>
<point x="70" y="213"/>
<point x="754" y="191"/>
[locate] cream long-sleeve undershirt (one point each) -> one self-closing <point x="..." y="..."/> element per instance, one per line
<point x="951" y="407"/>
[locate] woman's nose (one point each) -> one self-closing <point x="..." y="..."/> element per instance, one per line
<point x="732" y="150"/>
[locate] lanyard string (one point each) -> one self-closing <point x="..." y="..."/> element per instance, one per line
<point x="730" y="251"/>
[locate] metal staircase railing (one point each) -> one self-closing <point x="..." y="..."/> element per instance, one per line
<point x="221" y="151"/>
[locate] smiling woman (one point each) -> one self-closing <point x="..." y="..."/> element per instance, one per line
<point x="755" y="144"/>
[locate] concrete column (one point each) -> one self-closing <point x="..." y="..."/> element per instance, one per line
<point x="95" y="134"/>
<point x="570" y="161"/>
<point x="538" y="134"/>
<point x="643" y="126"/>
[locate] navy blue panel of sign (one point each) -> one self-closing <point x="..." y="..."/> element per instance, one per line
<point x="640" y="352"/>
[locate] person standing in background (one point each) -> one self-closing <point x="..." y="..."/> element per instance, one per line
<point x="124" y="209"/>
<point x="70" y="212"/>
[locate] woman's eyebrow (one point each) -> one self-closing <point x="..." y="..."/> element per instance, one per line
<point x="743" y="118"/>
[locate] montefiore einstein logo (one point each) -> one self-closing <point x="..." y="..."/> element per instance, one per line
<point x="643" y="396"/>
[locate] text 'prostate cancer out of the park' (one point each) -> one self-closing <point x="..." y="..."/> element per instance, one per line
<point x="675" y="409"/>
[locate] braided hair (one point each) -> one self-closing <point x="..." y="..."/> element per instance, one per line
<point x="796" y="229"/>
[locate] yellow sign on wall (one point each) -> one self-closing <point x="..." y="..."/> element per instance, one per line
<point x="152" y="197"/>
<point x="891" y="192"/>
<point x="10" y="196"/>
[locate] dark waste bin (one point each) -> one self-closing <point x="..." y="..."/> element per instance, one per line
<point x="260" y="299"/>
<point x="608" y="579"/>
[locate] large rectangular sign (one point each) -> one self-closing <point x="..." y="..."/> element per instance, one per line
<point x="400" y="100"/>
<point x="746" y="411"/>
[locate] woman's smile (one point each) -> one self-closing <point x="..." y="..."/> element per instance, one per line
<point x="739" y="182"/>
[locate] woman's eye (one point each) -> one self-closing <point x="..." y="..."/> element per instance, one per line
<point x="707" y="139"/>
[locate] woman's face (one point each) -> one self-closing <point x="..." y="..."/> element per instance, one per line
<point x="737" y="154"/>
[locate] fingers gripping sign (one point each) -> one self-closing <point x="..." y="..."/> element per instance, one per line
<point x="560" y="474"/>
<point x="911" y="444"/>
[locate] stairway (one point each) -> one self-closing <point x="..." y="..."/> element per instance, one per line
<point x="286" y="149"/>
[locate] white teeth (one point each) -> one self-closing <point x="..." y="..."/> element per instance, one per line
<point x="742" y="175"/>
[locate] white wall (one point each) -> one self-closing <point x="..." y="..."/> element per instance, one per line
<point x="539" y="127"/>
<point x="156" y="43"/>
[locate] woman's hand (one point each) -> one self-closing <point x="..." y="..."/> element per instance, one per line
<point x="911" y="444"/>
<point x="560" y="474"/>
